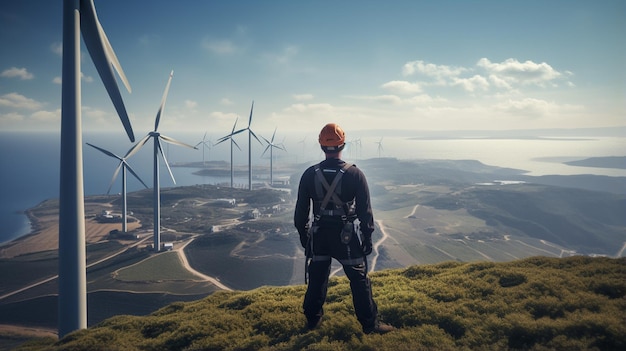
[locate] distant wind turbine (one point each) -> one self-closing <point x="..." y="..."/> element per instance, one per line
<point x="123" y="166"/>
<point x="232" y="142"/>
<point x="206" y="144"/>
<point x="380" y="146"/>
<point x="157" y="137"/>
<point x="271" y="146"/>
<point x="79" y="16"/>
<point x="250" y="135"/>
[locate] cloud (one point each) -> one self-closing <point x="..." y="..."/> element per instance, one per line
<point x="283" y="57"/>
<point x="57" y="48"/>
<point x="11" y="117"/>
<point x="303" y="97"/>
<point x="471" y="84"/>
<point x="219" y="46"/>
<point x="47" y="116"/>
<point x="15" y="100"/>
<point x="309" y="108"/>
<point x="57" y="80"/>
<point x="512" y="71"/>
<point x="190" y="104"/>
<point x="402" y="87"/>
<point x="431" y="70"/>
<point x="533" y="108"/>
<point x="226" y="102"/>
<point x="15" y="72"/>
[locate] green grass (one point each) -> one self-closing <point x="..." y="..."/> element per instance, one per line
<point x="164" y="266"/>
<point x="538" y="303"/>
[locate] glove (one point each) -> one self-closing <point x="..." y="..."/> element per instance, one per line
<point x="304" y="236"/>
<point x="366" y="245"/>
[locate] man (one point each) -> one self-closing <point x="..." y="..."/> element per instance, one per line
<point x="338" y="194"/>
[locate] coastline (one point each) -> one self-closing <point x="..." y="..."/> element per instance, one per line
<point x="44" y="234"/>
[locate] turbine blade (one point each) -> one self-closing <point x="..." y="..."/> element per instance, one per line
<point x="129" y="168"/>
<point x="266" y="148"/>
<point x="255" y="137"/>
<point x="273" y="135"/>
<point x="167" y="165"/>
<point x="114" y="61"/>
<point x="176" y="142"/>
<point x="137" y="146"/>
<point x="97" y="46"/>
<point x="222" y="140"/>
<point x="117" y="171"/>
<point x="108" y="153"/>
<point x="234" y="125"/>
<point x="234" y="142"/>
<point x="250" y="119"/>
<point x="162" y="107"/>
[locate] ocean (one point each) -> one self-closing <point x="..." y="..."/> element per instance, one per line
<point x="30" y="161"/>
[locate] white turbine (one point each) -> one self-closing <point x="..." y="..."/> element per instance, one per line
<point x="206" y="144"/>
<point x="271" y="146"/>
<point x="79" y="16"/>
<point x="158" y="149"/>
<point x="232" y="142"/>
<point x="250" y="135"/>
<point x="123" y="166"/>
<point x="380" y="146"/>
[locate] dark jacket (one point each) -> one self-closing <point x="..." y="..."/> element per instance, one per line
<point x="353" y="187"/>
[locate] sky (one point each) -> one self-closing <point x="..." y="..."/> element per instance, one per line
<point x="367" y="65"/>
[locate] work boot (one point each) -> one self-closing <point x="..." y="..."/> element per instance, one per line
<point x="313" y="322"/>
<point x="379" y="328"/>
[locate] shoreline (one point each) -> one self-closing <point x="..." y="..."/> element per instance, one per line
<point x="44" y="234"/>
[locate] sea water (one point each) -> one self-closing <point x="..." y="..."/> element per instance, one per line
<point x="30" y="162"/>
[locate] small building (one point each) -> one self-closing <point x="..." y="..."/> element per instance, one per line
<point x="168" y="246"/>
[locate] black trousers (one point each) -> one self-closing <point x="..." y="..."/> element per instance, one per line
<point x="326" y="244"/>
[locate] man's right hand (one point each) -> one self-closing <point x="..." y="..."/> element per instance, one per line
<point x="366" y="246"/>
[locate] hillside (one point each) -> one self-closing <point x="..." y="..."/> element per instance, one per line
<point x="538" y="303"/>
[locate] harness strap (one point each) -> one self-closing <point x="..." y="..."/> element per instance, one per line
<point x="330" y="188"/>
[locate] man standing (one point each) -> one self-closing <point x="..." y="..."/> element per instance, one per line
<point x="338" y="194"/>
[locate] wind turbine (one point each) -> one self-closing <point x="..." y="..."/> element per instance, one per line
<point x="271" y="146"/>
<point x="206" y="144"/>
<point x="250" y="135"/>
<point x="157" y="137"/>
<point x="232" y="142"/>
<point x="123" y="166"/>
<point x="380" y="146"/>
<point x="79" y="16"/>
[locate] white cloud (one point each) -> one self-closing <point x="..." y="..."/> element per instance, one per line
<point x="472" y="84"/>
<point x="57" y="80"/>
<point x="226" y="101"/>
<point x="219" y="46"/>
<point x="284" y="56"/>
<point x="190" y="104"/>
<point x="314" y="108"/>
<point x="11" y="117"/>
<point x="57" y="48"/>
<point x="513" y="71"/>
<point x="534" y="108"/>
<point x="303" y="97"/>
<point x="47" y="116"/>
<point x="431" y="70"/>
<point x="14" y="72"/>
<point x="15" y="100"/>
<point x="86" y="79"/>
<point x="402" y="87"/>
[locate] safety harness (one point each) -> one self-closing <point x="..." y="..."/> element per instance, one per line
<point x="332" y="191"/>
<point x="344" y="211"/>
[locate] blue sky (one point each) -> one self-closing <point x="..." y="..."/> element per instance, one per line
<point x="392" y="65"/>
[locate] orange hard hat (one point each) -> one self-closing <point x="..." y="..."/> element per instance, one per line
<point x="332" y="137"/>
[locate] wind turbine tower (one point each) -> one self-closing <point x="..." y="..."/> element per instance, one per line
<point x="79" y="16"/>
<point x="158" y="149"/>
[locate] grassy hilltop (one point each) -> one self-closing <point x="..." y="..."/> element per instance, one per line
<point x="575" y="303"/>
